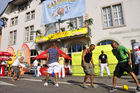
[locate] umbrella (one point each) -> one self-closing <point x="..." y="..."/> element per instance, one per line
<point x="6" y="54"/>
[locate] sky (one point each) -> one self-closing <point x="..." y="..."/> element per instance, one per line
<point x="3" y="4"/>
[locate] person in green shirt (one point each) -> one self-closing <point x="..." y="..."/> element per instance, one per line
<point x="124" y="64"/>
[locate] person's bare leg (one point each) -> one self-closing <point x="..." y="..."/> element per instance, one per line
<point x="56" y="78"/>
<point x="18" y="76"/>
<point x="47" y="77"/>
<point x="10" y="73"/>
<point x="114" y="81"/>
<point x="85" y="79"/>
<point x="13" y="79"/>
<point x="92" y="79"/>
<point x="135" y="78"/>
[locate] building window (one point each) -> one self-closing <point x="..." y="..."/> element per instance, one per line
<point x="29" y="33"/>
<point x="64" y="25"/>
<point x="106" y="42"/>
<point x="33" y="54"/>
<point x="12" y="37"/>
<point x="74" y="21"/>
<point x="30" y="15"/>
<point x="118" y="16"/>
<point x="14" y="21"/>
<point x="113" y="16"/>
<point x="80" y="19"/>
<point x="76" y="48"/>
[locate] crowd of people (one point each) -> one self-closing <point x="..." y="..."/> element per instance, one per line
<point x="56" y="63"/>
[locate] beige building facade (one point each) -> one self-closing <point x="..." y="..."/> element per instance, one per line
<point x="113" y="20"/>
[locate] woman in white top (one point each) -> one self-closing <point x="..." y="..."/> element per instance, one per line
<point x="16" y="68"/>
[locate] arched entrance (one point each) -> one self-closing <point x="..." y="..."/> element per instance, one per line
<point x="106" y="42"/>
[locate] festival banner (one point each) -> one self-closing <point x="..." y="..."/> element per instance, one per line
<point x="54" y="10"/>
<point x="11" y="50"/>
<point x="77" y="69"/>
<point x="26" y="53"/>
<point x="49" y="29"/>
<point x="62" y="34"/>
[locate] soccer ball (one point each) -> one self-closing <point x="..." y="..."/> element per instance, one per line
<point x="125" y="87"/>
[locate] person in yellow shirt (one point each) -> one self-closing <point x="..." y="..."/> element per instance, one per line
<point x="61" y="61"/>
<point x="9" y="67"/>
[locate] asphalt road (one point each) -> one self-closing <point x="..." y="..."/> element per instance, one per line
<point x="29" y="84"/>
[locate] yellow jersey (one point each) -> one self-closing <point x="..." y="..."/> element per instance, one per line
<point x="10" y="62"/>
<point x="61" y="60"/>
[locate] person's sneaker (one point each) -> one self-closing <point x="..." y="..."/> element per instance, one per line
<point x="84" y="86"/>
<point x="45" y="84"/>
<point x="138" y="88"/>
<point x="56" y="85"/>
<point x="113" y="89"/>
<point x="92" y="85"/>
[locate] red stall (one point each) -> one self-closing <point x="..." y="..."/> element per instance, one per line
<point x="2" y="67"/>
<point x="3" y="57"/>
<point x="43" y="56"/>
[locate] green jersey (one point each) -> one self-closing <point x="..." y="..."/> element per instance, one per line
<point x="121" y="54"/>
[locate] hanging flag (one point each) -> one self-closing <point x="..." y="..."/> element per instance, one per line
<point x="26" y="53"/>
<point x="54" y="10"/>
<point x="11" y="50"/>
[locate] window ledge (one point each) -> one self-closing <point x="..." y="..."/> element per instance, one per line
<point x="112" y="27"/>
<point x="29" y="41"/>
<point x="12" y="44"/>
<point x="29" y="19"/>
<point x="13" y="25"/>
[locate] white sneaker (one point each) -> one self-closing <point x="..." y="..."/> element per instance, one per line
<point x="45" y="84"/>
<point x="57" y="85"/>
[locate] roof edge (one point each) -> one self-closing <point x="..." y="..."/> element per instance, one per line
<point x="6" y="8"/>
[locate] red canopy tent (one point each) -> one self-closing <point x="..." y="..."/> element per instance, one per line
<point x="3" y="59"/>
<point x="43" y="56"/>
<point x="6" y="54"/>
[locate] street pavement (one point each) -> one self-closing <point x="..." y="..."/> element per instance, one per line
<point x="71" y="84"/>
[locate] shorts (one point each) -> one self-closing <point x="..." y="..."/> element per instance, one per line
<point x="16" y="69"/>
<point x="121" y="67"/>
<point x="9" y="68"/>
<point x="53" y="67"/>
<point x="89" y="70"/>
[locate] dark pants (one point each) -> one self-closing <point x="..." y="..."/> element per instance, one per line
<point x="136" y="70"/>
<point x="121" y="67"/>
